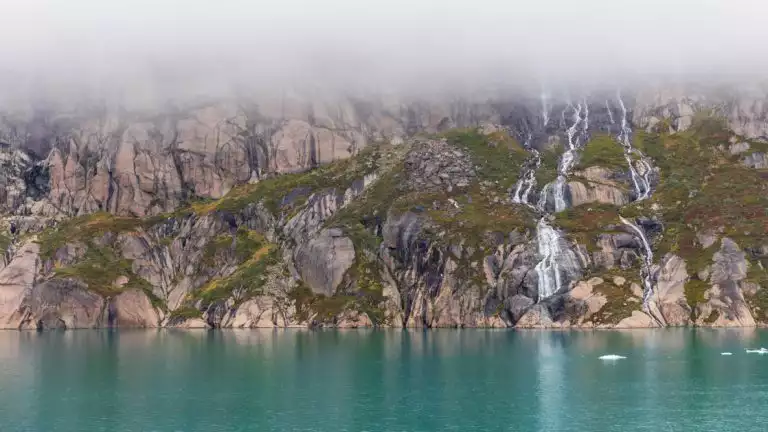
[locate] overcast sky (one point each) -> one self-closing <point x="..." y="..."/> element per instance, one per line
<point x="209" y="46"/>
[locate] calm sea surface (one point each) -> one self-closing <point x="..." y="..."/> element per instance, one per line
<point x="441" y="380"/>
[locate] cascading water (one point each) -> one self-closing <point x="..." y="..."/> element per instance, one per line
<point x="647" y="260"/>
<point x="639" y="169"/>
<point x="542" y="204"/>
<point x="610" y="114"/>
<point x="544" y="109"/>
<point x="548" y="269"/>
<point x="527" y="181"/>
<point x="568" y="157"/>
<point x="557" y="260"/>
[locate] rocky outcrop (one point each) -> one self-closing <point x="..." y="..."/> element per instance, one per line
<point x="436" y="166"/>
<point x="616" y="250"/>
<point x="638" y="319"/>
<point x="260" y="312"/>
<point x="324" y="260"/>
<point x="416" y="234"/>
<point x="151" y="162"/>
<point x="62" y="304"/>
<point x="744" y="109"/>
<point x="16" y="280"/>
<point x="581" y="193"/>
<point x="668" y="302"/>
<point x="725" y="305"/>
<point x="598" y="185"/>
<point x="756" y="160"/>
<point x="132" y="308"/>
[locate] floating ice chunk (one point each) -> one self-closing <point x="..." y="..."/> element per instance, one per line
<point x="611" y="357"/>
<point x="726" y="353"/>
<point x="757" y="351"/>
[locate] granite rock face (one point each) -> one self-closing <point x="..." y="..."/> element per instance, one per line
<point x="149" y="163"/>
<point x="351" y="213"/>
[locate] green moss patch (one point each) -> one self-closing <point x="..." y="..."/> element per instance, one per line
<point x="703" y="188"/>
<point x="272" y="191"/>
<point x="5" y="241"/>
<point x="321" y="308"/>
<point x="498" y="157"/>
<point x="584" y="224"/>
<point x="604" y="151"/>
<point x="256" y="256"/>
<point x="758" y="301"/>
<point x="695" y="290"/>
<point x="618" y="304"/>
<point x="84" y="228"/>
<point x="478" y="214"/>
<point x="184" y="313"/>
<point x="99" y="269"/>
<point x="547" y="172"/>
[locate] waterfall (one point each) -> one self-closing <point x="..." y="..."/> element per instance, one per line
<point x="568" y="158"/>
<point x="586" y="117"/>
<point x="542" y="204"/>
<point x="556" y="259"/>
<point x="647" y="262"/>
<point x="610" y="114"/>
<point x="559" y="194"/>
<point x="527" y="181"/>
<point x="639" y="170"/>
<point x="548" y="269"/>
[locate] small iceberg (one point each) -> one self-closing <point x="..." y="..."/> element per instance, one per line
<point x="611" y="357"/>
<point x="726" y="353"/>
<point x="757" y="351"/>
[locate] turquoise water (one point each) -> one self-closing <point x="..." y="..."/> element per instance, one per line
<point x="443" y="380"/>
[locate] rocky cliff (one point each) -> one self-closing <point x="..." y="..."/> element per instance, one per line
<point x="603" y="212"/>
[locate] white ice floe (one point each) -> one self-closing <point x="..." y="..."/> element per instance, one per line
<point x="611" y="357"/>
<point x="726" y="353"/>
<point x="757" y="351"/>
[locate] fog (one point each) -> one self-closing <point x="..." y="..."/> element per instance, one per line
<point x="150" y="50"/>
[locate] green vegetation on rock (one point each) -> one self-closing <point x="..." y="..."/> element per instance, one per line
<point x="694" y="293"/>
<point x="547" y="172"/>
<point x="320" y="308"/>
<point x="185" y="313"/>
<point x="273" y="191"/>
<point x="758" y="301"/>
<point x="702" y="188"/>
<point x="254" y="255"/>
<point x="5" y="241"/>
<point x="477" y="215"/>
<point x="497" y="157"/>
<point x="619" y="304"/>
<point x="604" y="151"/>
<point x="99" y="269"/>
<point x="83" y="229"/>
<point x="585" y="223"/>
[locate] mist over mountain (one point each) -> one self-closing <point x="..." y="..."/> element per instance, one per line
<point x="144" y="53"/>
<point x="387" y="163"/>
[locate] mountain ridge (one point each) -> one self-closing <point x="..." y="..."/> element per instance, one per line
<point x="375" y="214"/>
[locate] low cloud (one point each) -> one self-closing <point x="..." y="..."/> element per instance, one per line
<point x="154" y="50"/>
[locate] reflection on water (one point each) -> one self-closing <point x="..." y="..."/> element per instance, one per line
<point x="464" y="380"/>
<point x="550" y="364"/>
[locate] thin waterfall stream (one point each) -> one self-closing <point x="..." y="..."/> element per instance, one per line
<point x="552" y="247"/>
<point x="640" y="171"/>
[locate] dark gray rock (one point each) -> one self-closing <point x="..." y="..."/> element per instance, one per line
<point x="324" y="260"/>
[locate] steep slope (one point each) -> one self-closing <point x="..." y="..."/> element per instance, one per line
<point x="493" y="214"/>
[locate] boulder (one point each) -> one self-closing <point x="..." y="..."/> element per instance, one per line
<point x="132" y="308"/>
<point x="323" y="261"/>
<point x="669" y="294"/>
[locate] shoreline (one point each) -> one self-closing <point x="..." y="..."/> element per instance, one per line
<point x="404" y="329"/>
